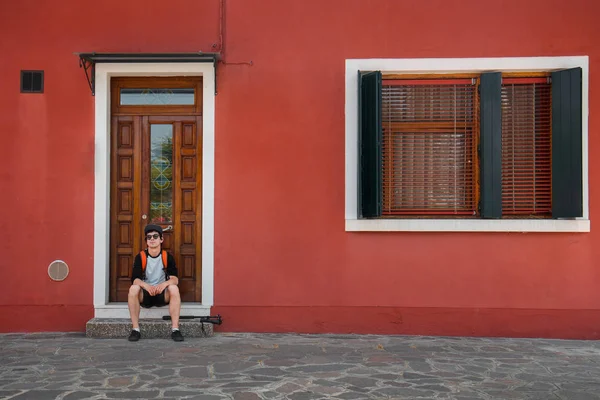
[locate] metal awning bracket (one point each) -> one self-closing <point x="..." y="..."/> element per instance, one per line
<point x="90" y="66"/>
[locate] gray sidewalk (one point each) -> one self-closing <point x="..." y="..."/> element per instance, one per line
<point x="277" y="366"/>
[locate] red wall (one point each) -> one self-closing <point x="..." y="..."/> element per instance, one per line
<point x="283" y="261"/>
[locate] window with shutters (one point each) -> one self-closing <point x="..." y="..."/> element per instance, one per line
<point x="498" y="145"/>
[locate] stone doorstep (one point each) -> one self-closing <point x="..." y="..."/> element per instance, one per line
<point x="150" y="328"/>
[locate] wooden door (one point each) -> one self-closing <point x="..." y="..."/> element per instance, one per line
<point x="156" y="174"/>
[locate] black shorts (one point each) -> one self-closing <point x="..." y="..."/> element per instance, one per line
<point x="153" y="301"/>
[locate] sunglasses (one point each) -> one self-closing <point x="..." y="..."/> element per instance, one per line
<point x="152" y="236"/>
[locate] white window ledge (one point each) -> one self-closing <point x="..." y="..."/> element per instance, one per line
<point x="455" y="225"/>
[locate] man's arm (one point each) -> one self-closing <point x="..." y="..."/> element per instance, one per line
<point x="137" y="274"/>
<point x="172" y="270"/>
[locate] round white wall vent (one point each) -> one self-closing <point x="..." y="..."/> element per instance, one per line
<point x="58" y="270"/>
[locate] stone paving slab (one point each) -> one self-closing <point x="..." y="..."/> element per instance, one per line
<point x="297" y="367"/>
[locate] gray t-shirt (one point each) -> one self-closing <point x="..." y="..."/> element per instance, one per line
<point x="155" y="273"/>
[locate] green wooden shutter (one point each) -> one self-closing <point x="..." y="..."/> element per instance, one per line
<point x="567" y="182"/>
<point x="369" y="145"/>
<point x="491" y="145"/>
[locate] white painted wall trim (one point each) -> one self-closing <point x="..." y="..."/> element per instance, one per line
<point x="104" y="72"/>
<point x="457" y="65"/>
<point x="120" y="310"/>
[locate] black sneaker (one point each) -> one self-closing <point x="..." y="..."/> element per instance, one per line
<point x="134" y="336"/>
<point x="177" y="336"/>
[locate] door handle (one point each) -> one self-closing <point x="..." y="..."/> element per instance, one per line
<point x="168" y="228"/>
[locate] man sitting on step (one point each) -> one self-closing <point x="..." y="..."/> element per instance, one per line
<point x="154" y="284"/>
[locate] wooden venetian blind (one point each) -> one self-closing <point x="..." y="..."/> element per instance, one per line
<point x="526" y="147"/>
<point x="428" y="147"/>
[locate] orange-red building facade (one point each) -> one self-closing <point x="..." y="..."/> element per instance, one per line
<point x="288" y="254"/>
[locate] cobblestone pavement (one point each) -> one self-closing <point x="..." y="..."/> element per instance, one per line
<point x="277" y="366"/>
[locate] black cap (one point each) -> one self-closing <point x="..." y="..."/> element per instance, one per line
<point x="153" y="228"/>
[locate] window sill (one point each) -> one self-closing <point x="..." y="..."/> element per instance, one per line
<point x="456" y="225"/>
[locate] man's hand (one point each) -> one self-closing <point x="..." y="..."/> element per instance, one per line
<point x="152" y="290"/>
<point x="159" y="288"/>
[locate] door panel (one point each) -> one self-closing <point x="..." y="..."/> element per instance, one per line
<point x="156" y="178"/>
<point x="188" y="201"/>
<point x="125" y="204"/>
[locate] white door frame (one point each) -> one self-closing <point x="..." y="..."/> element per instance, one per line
<point x="104" y="71"/>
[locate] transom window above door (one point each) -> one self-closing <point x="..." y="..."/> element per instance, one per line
<point x="173" y="96"/>
<point x="157" y="96"/>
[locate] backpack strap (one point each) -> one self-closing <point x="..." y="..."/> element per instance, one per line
<point x="164" y="259"/>
<point x="144" y="258"/>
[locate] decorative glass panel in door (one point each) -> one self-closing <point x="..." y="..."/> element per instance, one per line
<point x="161" y="174"/>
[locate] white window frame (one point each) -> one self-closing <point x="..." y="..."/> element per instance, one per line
<point x="104" y="71"/>
<point x="453" y="66"/>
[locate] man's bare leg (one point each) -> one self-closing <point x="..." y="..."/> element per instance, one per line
<point x="133" y="301"/>
<point x="174" y="299"/>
